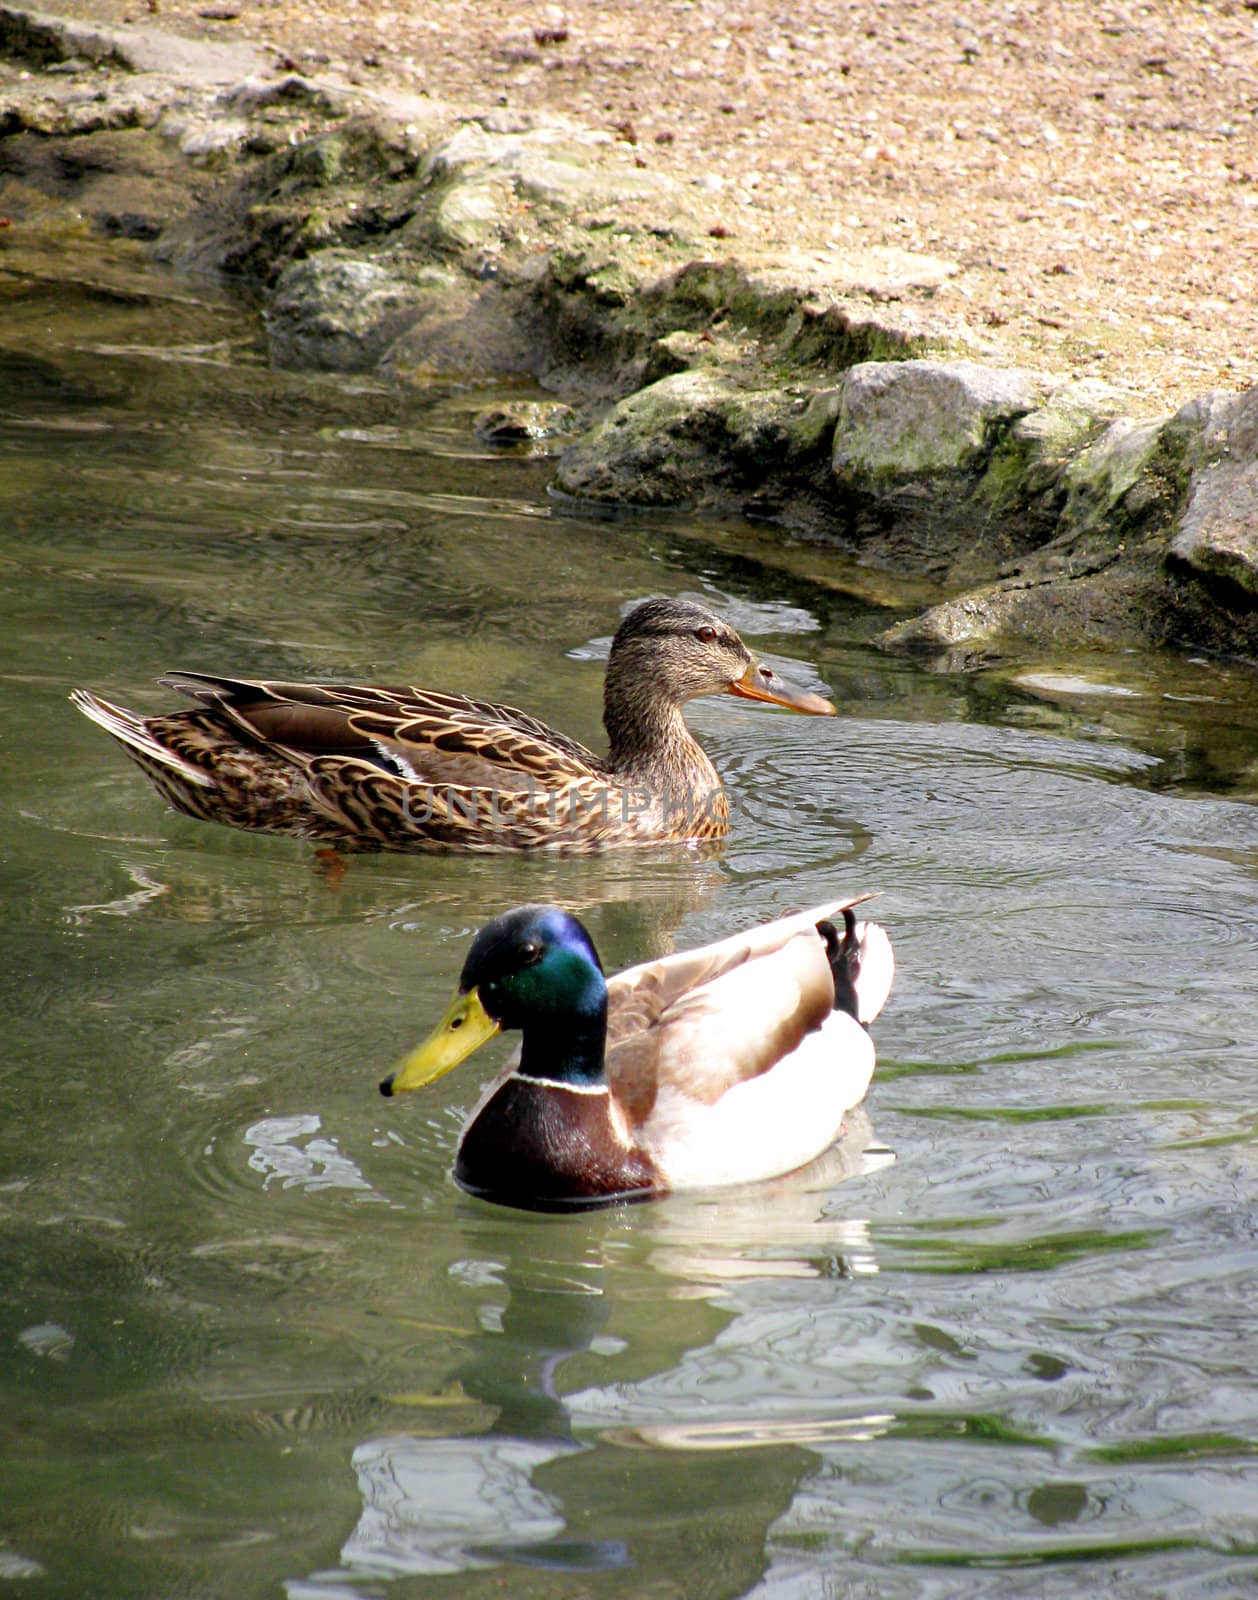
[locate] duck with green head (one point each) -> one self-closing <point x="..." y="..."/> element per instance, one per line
<point x="418" y="769"/>
<point x="727" y="1064"/>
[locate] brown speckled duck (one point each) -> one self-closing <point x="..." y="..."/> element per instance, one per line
<point x="415" y="769"/>
<point x="728" y="1064"/>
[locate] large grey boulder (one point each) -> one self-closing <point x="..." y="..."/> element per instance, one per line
<point x="1157" y="542"/>
<point x="954" y="466"/>
<point x="900" y="422"/>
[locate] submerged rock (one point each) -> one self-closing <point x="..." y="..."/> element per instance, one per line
<point x="525" y="422"/>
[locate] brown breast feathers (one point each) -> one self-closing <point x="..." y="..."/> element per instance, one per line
<point x="548" y="1147"/>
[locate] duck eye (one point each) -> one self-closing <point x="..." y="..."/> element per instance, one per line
<point x="706" y="634"/>
<point x="529" y="953"/>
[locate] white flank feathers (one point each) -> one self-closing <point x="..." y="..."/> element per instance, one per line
<point x="771" y="1124"/>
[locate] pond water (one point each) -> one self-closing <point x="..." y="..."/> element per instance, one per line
<point x="252" y="1339"/>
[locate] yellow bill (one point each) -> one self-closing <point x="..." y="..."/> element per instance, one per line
<point x="464" y="1028"/>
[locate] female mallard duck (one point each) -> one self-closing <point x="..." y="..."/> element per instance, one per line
<point x="723" y="1065"/>
<point x="413" y="769"/>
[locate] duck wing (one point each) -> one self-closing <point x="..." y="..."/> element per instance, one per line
<point x="418" y="734"/>
<point x="701" y="1021"/>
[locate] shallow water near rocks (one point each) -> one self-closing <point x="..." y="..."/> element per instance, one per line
<point x="252" y="1339"/>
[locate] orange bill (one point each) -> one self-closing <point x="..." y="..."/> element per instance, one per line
<point x="762" y="683"/>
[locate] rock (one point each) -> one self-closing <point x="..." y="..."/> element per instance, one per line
<point x="463" y="330"/>
<point x="1101" y="477"/>
<point x="470" y="215"/>
<point x="1037" y="451"/>
<point x="347" y="311"/>
<point x="646" y="451"/>
<point x="1157" y="542"/>
<point x="207" y="135"/>
<point x="126" y="182"/>
<point x="343" y="311"/>
<point x="795" y="305"/>
<point x="40" y="39"/>
<point x="693" y="439"/>
<point x="1218" y="537"/>
<point x="256" y="94"/>
<point x="1218" y="532"/>
<point x="683" y="351"/>
<point x="901" y="421"/>
<point x="551" y="162"/>
<point x="524" y="422"/>
<point x="938" y="463"/>
<point x="486" y="184"/>
<point x="1113" y="607"/>
<point x="914" y="463"/>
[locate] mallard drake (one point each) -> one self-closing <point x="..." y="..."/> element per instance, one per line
<point x="728" y="1064"/>
<point x="414" y="769"/>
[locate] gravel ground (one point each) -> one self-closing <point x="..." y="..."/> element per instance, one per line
<point x="1092" y="170"/>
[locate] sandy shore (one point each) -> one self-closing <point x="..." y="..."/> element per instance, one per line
<point x="1092" y="171"/>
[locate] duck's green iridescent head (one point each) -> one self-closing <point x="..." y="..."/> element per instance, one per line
<point x="534" y="968"/>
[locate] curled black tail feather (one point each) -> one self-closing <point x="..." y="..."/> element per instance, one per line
<point x="844" y="956"/>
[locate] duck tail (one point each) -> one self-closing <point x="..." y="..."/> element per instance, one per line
<point x="132" y="732"/>
<point x="863" y="965"/>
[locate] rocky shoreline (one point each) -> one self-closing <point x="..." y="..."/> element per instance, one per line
<point x="821" y="393"/>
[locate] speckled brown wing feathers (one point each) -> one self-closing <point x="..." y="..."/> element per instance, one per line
<point x="349" y="718"/>
<point x="404" y="765"/>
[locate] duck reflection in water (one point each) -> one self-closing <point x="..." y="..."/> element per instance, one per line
<point x="650" y="1287"/>
<point x="458" y="1504"/>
